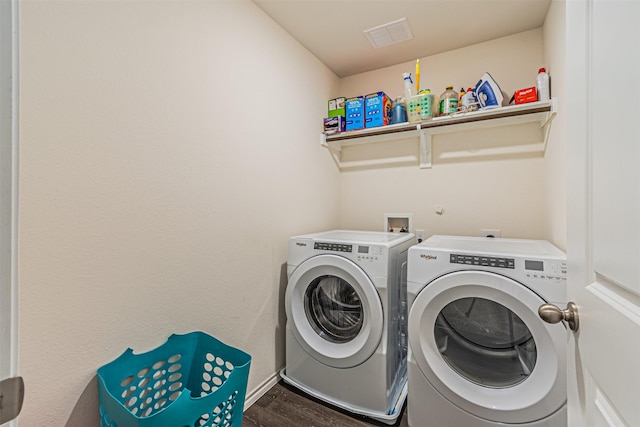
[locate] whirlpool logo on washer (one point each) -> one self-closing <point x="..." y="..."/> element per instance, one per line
<point x="300" y="244"/>
<point x="428" y="257"/>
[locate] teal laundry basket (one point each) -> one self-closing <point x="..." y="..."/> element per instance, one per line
<point x="193" y="380"/>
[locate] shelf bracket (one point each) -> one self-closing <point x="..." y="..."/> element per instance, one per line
<point x="546" y="123"/>
<point x="336" y="152"/>
<point x="425" y="148"/>
<point x="552" y="113"/>
<point x="323" y="140"/>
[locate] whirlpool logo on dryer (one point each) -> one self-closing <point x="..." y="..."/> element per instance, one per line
<point x="428" y="257"/>
<point x="300" y="244"/>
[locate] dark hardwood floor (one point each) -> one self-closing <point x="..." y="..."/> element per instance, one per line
<point x="286" y="406"/>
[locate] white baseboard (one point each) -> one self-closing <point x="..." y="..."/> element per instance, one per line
<point x="261" y="390"/>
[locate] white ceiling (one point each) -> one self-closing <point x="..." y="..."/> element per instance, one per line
<point x="333" y="29"/>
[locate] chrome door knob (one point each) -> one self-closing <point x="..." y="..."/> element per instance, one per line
<point x="553" y="314"/>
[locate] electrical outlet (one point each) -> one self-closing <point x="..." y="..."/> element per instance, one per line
<point x="489" y="232"/>
<point x="420" y="235"/>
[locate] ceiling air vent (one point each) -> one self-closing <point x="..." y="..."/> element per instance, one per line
<point x="389" y="33"/>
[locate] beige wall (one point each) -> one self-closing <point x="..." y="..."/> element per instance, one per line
<point x="497" y="192"/>
<point x="555" y="156"/>
<point x="165" y="160"/>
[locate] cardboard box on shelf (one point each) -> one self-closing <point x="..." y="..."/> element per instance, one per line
<point x="354" y="108"/>
<point x="336" y="107"/>
<point x="526" y="95"/>
<point x="377" y="110"/>
<point x="334" y="125"/>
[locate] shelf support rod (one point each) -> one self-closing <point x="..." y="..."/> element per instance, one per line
<point x="425" y="148"/>
<point x="552" y="113"/>
<point x="546" y="123"/>
<point x="336" y="154"/>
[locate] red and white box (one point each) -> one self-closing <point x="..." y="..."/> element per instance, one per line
<point x="523" y="96"/>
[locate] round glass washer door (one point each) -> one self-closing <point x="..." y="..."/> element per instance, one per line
<point x="477" y="338"/>
<point x="334" y="311"/>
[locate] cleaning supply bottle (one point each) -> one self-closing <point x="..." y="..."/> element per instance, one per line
<point x="409" y="91"/>
<point x="469" y="101"/>
<point x="542" y="85"/>
<point x="448" y="101"/>
<point x="399" y="111"/>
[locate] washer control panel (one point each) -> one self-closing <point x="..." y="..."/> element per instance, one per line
<point x="336" y="247"/>
<point x="369" y="253"/>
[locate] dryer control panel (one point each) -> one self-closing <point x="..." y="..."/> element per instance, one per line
<point x="545" y="270"/>
<point x="486" y="261"/>
<point x="530" y="268"/>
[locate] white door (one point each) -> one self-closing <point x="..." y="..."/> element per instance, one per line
<point x="603" y="245"/>
<point x="11" y="387"/>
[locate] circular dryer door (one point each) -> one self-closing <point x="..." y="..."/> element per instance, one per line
<point x="334" y="311"/>
<point x="478" y="339"/>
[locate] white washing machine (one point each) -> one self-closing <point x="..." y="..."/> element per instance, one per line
<point x="346" y="320"/>
<point x="479" y="354"/>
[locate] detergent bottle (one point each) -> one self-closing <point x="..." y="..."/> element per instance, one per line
<point x="469" y="101"/>
<point x="543" y="85"/>
<point x="398" y="111"/>
<point x="448" y="101"/>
